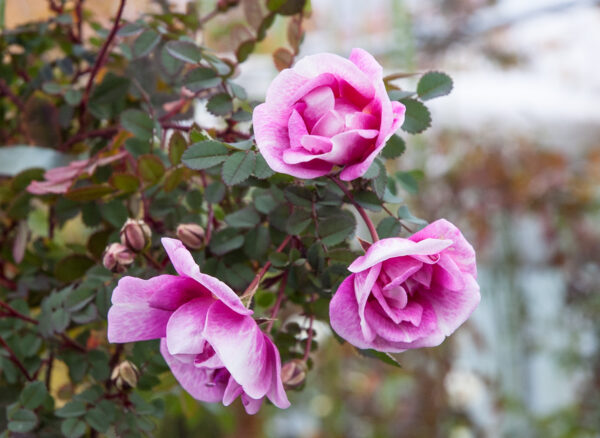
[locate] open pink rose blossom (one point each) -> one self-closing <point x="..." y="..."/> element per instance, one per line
<point x="213" y="346"/>
<point x="326" y="111"/>
<point x="408" y="293"/>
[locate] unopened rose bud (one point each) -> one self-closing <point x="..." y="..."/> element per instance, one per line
<point x="135" y="235"/>
<point x="293" y="373"/>
<point x="117" y="257"/>
<point x="125" y="375"/>
<point x="192" y="235"/>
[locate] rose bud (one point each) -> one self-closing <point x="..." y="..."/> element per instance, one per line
<point x="192" y="235"/>
<point x="135" y="235"/>
<point x="125" y="375"/>
<point x="117" y="257"/>
<point x="293" y="373"/>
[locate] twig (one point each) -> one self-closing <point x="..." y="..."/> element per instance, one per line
<point x="15" y="313"/>
<point x="387" y="210"/>
<point x="14" y="359"/>
<point x="6" y="91"/>
<point x="251" y="289"/>
<point x="360" y="210"/>
<point x="309" y="338"/>
<point x="103" y="132"/>
<point x="276" y="307"/>
<point x="212" y="14"/>
<point x="99" y="62"/>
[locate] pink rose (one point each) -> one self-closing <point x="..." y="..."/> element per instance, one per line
<point x="326" y="111"/>
<point x="208" y="338"/>
<point x="408" y="293"/>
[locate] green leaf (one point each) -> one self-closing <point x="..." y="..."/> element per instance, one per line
<point x="434" y="84"/>
<point x="394" y="147"/>
<point x="409" y="180"/>
<point x="244" y="50"/>
<point x="130" y="29"/>
<point x="405" y="214"/>
<point x="138" y="123"/>
<point x="278" y="259"/>
<point x="379" y="184"/>
<point x="220" y="104"/>
<point x="177" y="146"/>
<point x="125" y="182"/>
<point x="400" y="94"/>
<point x="336" y="228"/>
<point x="225" y="241"/>
<point x="388" y="227"/>
<point x="97" y="419"/>
<point x="262" y="169"/>
<point x="204" y="154"/>
<point x="33" y="395"/>
<point x="256" y="242"/>
<point x="300" y="196"/>
<point x="22" y="420"/>
<point x="298" y="221"/>
<point x="72" y="267"/>
<point x="108" y="98"/>
<point x="368" y="200"/>
<point x="75" y="408"/>
<point x="89" y="193"/>
<point x="238" y="167"/>
<point x="243" y="145"/>
<point x="384" y="357"/>
<point x="174" y="178"/>
<point x="170" y="65"/>
<point x="200" y="79"/>
<point x="215" y="192"/>
<point x="286" y="7"/>
<point x="145" y="43"/>
<point x="184" y="51"/>
<point x="151" y="168"/>
<point x="73" y="428"/>
<point x="264" y="201"/>
<point x="115" y="213"/>
<point x="417" y="118"/>
<point x="73" y="97"/>
<point x="244" y="218"/>
<point x="136" y="146"/>
<point x="60" y="320"/>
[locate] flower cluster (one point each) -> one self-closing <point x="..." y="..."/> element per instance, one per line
<point x="325" y="113"/>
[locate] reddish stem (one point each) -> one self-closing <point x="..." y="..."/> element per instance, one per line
<point x="309" y="338"/>
<point x="277" y="306"/>
<point x="360" y="210"/>
<point x="98" y="64"/>
<point x="15" y="313"/>
<point x="14" y="359"/>
<point x="250" y="290"/>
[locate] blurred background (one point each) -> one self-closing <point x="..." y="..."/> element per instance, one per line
<point x="514" y="160"/>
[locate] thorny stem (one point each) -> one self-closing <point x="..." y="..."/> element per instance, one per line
<point x="276" y="307"/>
<point x="98" y="64"/>
<point x="387" y="210"/>
<point x="360" y="210"/>
<point x="103" y="132"/>
<point x="13" y="358"/>
<point x="251" y="290"/>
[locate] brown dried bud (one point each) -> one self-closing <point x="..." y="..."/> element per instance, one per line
<point x="125" y="375"/>
<point x="293" y="373"/>
<point x="117" y="257"/>
<point x="136" y="235"/>
<point x="192" y="235"/>
<point x="223" y="5"/>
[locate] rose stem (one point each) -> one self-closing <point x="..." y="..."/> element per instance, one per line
<point x="250" y="290"/>
<point x="13" y="358"/>
<point x="387" y="210"/>
<point x="309" y="338"/>
<point x="360" y="210"/>
<point x="280" y="295"/>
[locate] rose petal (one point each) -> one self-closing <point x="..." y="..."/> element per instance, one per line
<point x="173" y="291"/>
<point x="363" y="283"/>
<point x="276" y="392"/>
<point x="251" y="405"/>
<point x="343" y="314"/>
<point x="318" y="103"/>
<point x="296" y="129"/>
<point x="241" y="346"/>
<point x="330" y="124"/>
<point x="232" y="391"/>
<point x="202" y="383"/>
<point x="385" y="249"/>
<point x="185" y="327"/>
<point x="316" y="144"/>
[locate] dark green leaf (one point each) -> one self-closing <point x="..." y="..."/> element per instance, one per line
<point x="238" y="167"/>
<point x="336" y="228"/>
<point x="300" y="196"/>
<point x="298" y="221"/>
<point x="408" y="180"/>
<point x="108" y="98"/>
<point x="244" y="50"/>
<point x="145" y="43"/>
<point x="125" y="182"/>
<point x="137" y="146"/>
<point x="256" y="242"/>
<point x="73" y="96"/>
<point x="225" y="241"/>
<point x="177" y="146"/>
<point x="200" y="79"/>
<point x="89" y="193"/>
<point x="204" y="154"/>
<point x="368" y="200"/>
<point x="379" y="184"/>
<point x="97" y="419"/>
<point x="243" y="145"/>
<point x="244" y="218"/>
<point x="184" y="51"/>
<point x="220" y="104"/>
<point x="215" y="192"/>
<point x="115" y="213"/>
<point x="384" y="357"/>
<point x="278" y="259"/>
<point x="262" y="169"/>
<point x="394" y="147"/>
<point x="405" y="214"/>
<point x="434" y="84"/>
<point x="72" y="267"/>
<point x="22" y="420"/>
<point x="74" y="408"/>
<point x="130" y="29"/>
<point x="138" y="123"/>
<point x="417" y="118"/>
<point x="400" y="94"/>
<point x="73" y="428"/>
<point x="286" y="7"/>
<point x="33" y="395"/>
<point x="151" y="169"/>
<point x="170" y="65"/>
<point x="388" y="227"/>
